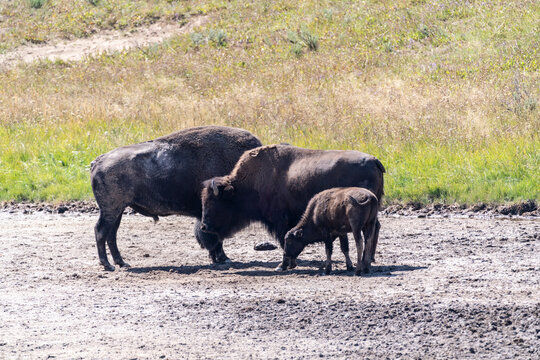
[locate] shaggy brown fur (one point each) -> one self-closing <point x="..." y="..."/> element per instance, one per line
<point x="332" y="213"/>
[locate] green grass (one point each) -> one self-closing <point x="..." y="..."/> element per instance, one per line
<point x="446" y="95"/>
<point x="53" y="164"/>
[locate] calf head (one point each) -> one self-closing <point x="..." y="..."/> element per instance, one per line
<point x="294" y="243"/>
<point x="217" y="207"/>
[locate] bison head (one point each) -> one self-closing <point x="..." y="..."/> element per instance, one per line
<point x="294" y="243"/>
<point x="217" y="207"/>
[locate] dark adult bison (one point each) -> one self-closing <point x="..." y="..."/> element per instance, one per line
<point x="273" y="184"/>
<point x="164" y="177"/>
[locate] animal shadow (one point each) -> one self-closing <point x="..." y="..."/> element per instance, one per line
<point x="317" y="270"/>
<point x="314" y="268"/>
<point x="192" y="269"/>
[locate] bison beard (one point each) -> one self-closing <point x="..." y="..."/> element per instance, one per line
<point x="273" y="184"/>
<point x="164" y="177"/>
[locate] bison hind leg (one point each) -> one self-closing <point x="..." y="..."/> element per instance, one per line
<point x="113" y="247"/>
<point x="344" y="244"/>
<point x="105" y="231"/>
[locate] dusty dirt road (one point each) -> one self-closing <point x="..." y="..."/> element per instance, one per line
<point x="105" y="41"/>
<point x="442" y="288"/>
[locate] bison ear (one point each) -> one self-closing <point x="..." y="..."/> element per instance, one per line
<point x="298" y="233"/>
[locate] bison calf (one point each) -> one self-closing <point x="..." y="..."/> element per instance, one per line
<point x="332" y="213"/>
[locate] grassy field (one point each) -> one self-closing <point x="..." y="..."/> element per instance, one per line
<point x="447" y="95"/>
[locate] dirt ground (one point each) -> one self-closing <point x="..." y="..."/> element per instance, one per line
<point x="453" y="287"/>
<point x="105" y="41"/>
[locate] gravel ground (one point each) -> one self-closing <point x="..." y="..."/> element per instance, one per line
<point x="454" y="287"/>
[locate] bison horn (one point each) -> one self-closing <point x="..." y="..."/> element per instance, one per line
<point x="214" y="188"/>
<point x="254" y="153"/>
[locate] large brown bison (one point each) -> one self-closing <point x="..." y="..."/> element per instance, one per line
<point x="332" y="213"/>
<point x="164" y="177"/>
<point x="273" y="184"/>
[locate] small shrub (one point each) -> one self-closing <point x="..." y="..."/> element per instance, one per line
<point x="522" y="100"/>
<point x="218" y="37"/>
<point x="36" y="4"/>
<point x="310" y="40"/>
<point x="198" y="38"/>
<point x="93" y="2"/>
<point x="297" y="50"/>
<point x="302" y="38"/>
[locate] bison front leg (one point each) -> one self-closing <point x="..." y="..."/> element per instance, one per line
<point x="218" y="255"/>
<point x="328" y="246"/>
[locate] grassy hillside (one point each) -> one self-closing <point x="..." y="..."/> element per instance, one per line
<point x="446" y="95"/>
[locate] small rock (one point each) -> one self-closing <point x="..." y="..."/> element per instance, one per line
<point x="265" y="246"/>
<point x="62" y="209"/>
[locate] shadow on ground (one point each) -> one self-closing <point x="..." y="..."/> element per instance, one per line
<point x="316" y="269"/>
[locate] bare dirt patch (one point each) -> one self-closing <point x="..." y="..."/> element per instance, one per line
<point x="103" y="42"/>
<point x="442" y="288"/>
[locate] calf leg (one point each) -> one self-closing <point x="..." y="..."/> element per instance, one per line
<point x="328" y="245"/>
<point x="105" y="230"/>
<point x="359" y="249"/>
<point x="370" y="231"/>
<point x="285" y="262"/>
<point x="344" y="244"/>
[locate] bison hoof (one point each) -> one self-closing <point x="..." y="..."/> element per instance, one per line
<point x="350" y="268"/>
<point x="222" y="261"/>
<point x="358" y="272"/>
<point x="280" y="268"/>
<point x="124" y="265"/>
<point x="108" y="267"/>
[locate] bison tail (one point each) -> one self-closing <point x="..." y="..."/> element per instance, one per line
<point x="380" y="166"/>
<point x="362" y="202"/>
<point x="94" y="163"/>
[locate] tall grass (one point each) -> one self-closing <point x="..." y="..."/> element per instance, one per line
<point x="445" y="95"/>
